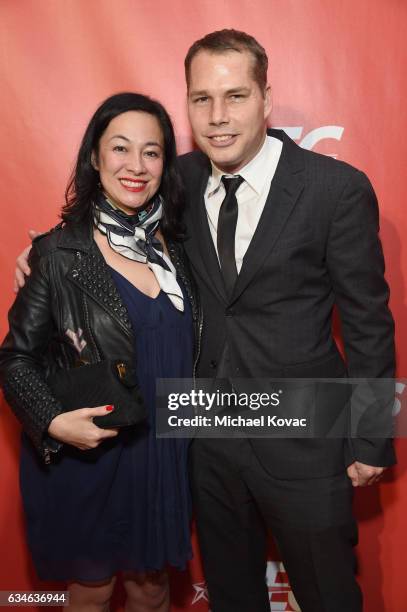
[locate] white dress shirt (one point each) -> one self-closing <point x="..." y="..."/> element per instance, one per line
<point x="251" y="195"/>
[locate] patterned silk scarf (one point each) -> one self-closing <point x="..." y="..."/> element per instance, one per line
<point x="133" y="237"/>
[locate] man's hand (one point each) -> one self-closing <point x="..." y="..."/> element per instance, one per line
<point x="22" y="267"/>
<point x="362" y="475"/>
<point x="76" y="427"/>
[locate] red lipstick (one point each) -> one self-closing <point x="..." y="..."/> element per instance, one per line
<point x="136" y="187"/>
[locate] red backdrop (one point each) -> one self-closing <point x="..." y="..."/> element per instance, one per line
<point x="338" y="73"/>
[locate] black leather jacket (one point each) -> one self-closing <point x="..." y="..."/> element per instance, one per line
<point x="69" y="308"/>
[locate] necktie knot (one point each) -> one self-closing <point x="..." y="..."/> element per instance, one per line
<point x="231" y="184"/>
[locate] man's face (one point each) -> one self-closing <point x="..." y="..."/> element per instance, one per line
<point x="226" y="108"/>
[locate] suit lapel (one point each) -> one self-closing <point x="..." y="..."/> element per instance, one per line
<point x="286" y="187"/>
<point x="200" y="247"/>
<point x="91" y="274"/>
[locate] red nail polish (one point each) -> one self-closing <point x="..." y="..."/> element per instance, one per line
<point x="109" y="408"/>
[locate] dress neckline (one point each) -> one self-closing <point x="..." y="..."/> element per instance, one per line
<point x="148" y="297"/>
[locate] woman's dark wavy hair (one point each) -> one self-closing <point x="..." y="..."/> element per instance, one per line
<point x="84" y="183"/>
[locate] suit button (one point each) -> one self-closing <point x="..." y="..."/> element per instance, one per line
<point x="229" y="312"/>
<point x="213" y="364"/>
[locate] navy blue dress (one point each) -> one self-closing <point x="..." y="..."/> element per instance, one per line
<point x="126" y="504"/>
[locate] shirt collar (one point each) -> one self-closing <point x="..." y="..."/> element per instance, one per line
<point x="253" y="172"/>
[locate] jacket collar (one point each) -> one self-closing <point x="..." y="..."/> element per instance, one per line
<point x="285" y="190"/>
<point x="77" y="236"/>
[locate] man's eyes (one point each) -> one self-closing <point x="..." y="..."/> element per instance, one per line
<point x="233" y="97"/>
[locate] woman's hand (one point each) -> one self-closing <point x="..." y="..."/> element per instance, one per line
<point x="76" y="427"/>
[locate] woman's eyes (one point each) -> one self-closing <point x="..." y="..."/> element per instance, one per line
<point x="123" y="149"/>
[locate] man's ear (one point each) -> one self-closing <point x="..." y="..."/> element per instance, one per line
<point x="268" y="104"/>
<point x="93" y="161"/>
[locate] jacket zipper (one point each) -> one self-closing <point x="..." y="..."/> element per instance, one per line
<point x="47" y="454"/>
<point x="198" y="352"/>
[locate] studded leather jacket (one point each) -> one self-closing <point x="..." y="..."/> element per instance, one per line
<point x="69" y="309"/>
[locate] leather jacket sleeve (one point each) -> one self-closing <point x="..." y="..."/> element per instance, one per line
<point x="22" y="365"/>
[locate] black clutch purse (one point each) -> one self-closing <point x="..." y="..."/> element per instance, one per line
<point x="98" y="384"/>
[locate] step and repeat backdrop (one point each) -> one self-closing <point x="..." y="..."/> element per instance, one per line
<point x="339" y="80"/>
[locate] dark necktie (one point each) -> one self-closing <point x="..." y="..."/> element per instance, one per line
<point x="226" y="232"/>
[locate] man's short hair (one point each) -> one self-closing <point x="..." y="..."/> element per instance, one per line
<point x="231" y="40"/>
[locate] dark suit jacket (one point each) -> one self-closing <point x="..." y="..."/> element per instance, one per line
<point x="316" y="246"/>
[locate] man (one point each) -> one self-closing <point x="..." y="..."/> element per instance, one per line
<point x="276" y="237"/>
<point x="272" y="252"/>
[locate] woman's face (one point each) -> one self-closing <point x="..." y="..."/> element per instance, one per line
<point x="130" y="159"/>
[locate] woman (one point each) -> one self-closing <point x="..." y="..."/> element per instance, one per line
<point x="108" y="282"/>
